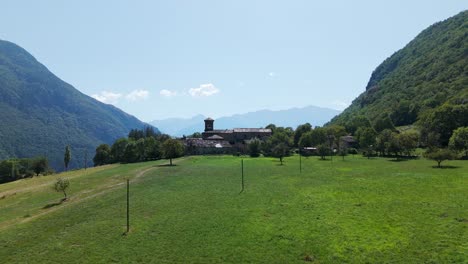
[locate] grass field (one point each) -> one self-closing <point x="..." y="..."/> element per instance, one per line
<point x="352" y="211"/>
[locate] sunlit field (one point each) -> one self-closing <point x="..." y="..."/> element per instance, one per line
<point x="356" y="210"/>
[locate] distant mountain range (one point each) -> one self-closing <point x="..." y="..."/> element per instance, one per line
<point x="293" y="117"/>
<point x="41" y="114"/>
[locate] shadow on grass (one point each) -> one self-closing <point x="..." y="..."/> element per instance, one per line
<point x="445" y="167"/>
<point x="166" y="165"/>
<point x="54" y="204"/>
<point x="398" y="160"/>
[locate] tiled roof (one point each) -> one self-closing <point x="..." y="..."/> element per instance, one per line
<point x="252" y="130"/>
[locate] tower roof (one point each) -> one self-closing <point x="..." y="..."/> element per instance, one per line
<point x="209" y="119"/>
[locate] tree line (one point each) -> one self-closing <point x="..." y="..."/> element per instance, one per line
<point x="140" y="145"/>
<point x="15" y="169"/>
<point x="378" y="139"/>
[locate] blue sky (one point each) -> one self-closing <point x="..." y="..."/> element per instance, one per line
<point x="160" y="59"/>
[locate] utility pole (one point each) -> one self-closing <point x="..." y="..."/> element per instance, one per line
<point x="242" y="170"/>
<point x="128" y="206"/>
<point x="300" y="161"/>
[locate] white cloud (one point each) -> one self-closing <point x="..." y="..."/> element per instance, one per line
<point x="167" y="93"/>
<point x="107" y="97"/>
<point x="204" y="90"/>
<point x="272" y="74"/>
<point x="137" y="95"/>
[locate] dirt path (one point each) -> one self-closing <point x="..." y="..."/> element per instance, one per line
<point x="77" y="197"/>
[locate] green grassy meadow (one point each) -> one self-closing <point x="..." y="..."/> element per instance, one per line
<point x="351" y="211"/>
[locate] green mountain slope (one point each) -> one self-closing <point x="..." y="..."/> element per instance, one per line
<point x="41" y="114"/>
<point x="426" y="74"/>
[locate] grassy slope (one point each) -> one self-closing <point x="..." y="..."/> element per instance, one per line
<point x="354" y="211"/>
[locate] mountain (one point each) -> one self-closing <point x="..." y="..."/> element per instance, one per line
<point x="415" y="82"/>
<point x="293" y="117"/>
<point x="41" y="114"/>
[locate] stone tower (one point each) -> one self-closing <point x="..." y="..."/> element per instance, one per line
<point x="209" y="124"/>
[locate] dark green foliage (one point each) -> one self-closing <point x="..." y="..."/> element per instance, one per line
<point x="118" y="149"/>
<point x="254" y="148"/>
<point x="171" y="149"/>
<point x="280" y="151"/>
<point x="39" y="165"/>
<point x="367" y="139"/>
<point x="426" y="81"/>
<point x="439" y="155"/>
<point x="444" y="120"/>
<point x="300" y="130"/>
<point x="408" y="142"/>
<point x="42" y="113"/>
<point x="152" y="148"/>
<point x="459" y="140"/>
<point x="319" y="135"/>
<point x="382" y="141"/>
<point x="280" y="143"/>
<point x="67" y="157"/>
<point x="103" y="155"/>
<point x="195" y="135"/>
<point x="382" y="123"/>
<point x="323" y="150"/>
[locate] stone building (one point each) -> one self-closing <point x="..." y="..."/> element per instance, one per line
<point x="235" y="135"/>
<point x="223" y="141"/>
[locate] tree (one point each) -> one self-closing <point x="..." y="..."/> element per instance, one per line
<point x="384" y="122"/>
<point x="102" y="155"/>
<point x="382" y="141"/>
<point x="9" y="171"/>
<point x="366" y="138"/>
<point x="280" y="151"/>
<point x="39" y="165"/>
<point x="305" y="140"/>
<point x="254" y="148"/>
<point x="195" y="135"/>
<point x="67" y="157"/>
<point x="319" y="136"/>
<point x="408" y="142"/>
<point x="61" y="185"/>
<point x="152" y="148"/>
<point x="439" y="155"/>
<point x="459" y="140"/>
<point x="118" y="149"/>
<point x="281" y="136"/>
<point x="323" y="150"/>
<point x="300" y="130"/>
<point x="394" y="145"/>
<point x="443" y="120"/>
<point x="130" y="153"/>
<point x="171" y="149"/>
<point x="357" y="122"/>
<point x="343" y="150"/>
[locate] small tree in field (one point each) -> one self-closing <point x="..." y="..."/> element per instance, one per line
<point x="254" y="148"/>
<point x="280" y="151"/>
<point x="439" y="155"/>
<point x="61" y="185"/>
<point x="323" y="151"/>
<point x="171" y="149"/>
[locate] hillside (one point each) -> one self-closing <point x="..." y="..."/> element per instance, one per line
<point x="293" y="117"/>
<point x="427" y="73"/>
<point x="41" y="114"/>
